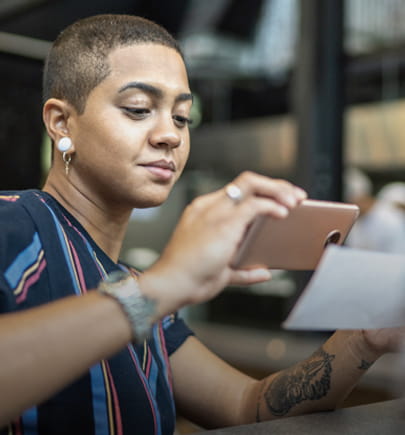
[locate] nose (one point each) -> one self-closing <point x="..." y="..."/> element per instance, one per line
<point x="165" y="133"/>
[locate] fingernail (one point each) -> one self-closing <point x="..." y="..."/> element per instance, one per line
<point x="283" y="211"/>
<point x="261" y="274"/>
<point x="301" y="193"/>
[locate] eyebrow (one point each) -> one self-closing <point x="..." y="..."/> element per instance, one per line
<point x="154" y="91"/>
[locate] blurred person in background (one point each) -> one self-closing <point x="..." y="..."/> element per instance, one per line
<point x="393" y="194"/>
<point x="381" y="224"/>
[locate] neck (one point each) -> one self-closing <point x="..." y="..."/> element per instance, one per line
<point x="103" y="222"/>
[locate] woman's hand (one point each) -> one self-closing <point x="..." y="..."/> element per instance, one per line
<point x="385" y="340"/>
<point x="195" y="265"/>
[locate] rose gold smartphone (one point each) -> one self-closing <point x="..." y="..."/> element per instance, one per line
<point x="296" y="242"/>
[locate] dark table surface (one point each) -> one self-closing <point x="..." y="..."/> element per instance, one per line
<point x="382" y="418"/>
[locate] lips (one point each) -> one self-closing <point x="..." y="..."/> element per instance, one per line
<point x="162" y="164"/>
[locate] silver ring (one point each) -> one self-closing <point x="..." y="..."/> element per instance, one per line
<point x="234" y="193"/>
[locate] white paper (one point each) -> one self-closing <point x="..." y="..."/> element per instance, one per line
<point x="352" y="289"/>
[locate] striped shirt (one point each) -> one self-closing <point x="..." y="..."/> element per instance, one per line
<point x="45" y="254"/>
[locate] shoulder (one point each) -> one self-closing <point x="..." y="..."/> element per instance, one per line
<point x="17" y="225"/>
<point x="13" y="210"/>
<point x="18" y="239"/>
<point x="15" y="200"/>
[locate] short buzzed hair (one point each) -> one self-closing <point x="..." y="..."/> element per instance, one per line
<point x="77" y="61"/>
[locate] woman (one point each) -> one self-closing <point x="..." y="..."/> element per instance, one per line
<point x="116" y="106"/>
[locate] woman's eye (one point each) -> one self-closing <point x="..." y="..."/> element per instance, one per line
<point x="182" y="121"/>
<point x="135" y="112"/>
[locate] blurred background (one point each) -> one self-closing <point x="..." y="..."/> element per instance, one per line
<point x="303" y="90"/>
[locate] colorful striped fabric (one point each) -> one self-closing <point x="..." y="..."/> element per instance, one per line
<point x="45" y="255"/>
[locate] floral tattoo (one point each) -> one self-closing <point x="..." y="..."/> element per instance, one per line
<point x="307" y="381"/>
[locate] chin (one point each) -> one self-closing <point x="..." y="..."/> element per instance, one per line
<point x="146" y="197"/>
<point x="150" y="202"/>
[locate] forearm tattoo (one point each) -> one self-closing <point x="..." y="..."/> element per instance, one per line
<point x="309" y="380"/>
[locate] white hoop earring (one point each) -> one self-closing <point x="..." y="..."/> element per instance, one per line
<point x="66" y="159"/>
<point x="64" y="144"/>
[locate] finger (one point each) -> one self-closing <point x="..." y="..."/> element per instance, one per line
<point x="255" y="206"/>
<point x="245" y="209"/>
<point x="251" y="276"/>
<point x="280" y="190"/>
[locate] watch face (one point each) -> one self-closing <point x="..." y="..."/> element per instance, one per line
<point x="140" y="310"/>
<point x="120" y="283"/>
<point x="117" y="276"/>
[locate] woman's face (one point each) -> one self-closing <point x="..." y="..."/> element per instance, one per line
<point x="132" y="141"/>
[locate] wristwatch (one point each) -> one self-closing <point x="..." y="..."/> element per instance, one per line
<point x="139" y="309"/>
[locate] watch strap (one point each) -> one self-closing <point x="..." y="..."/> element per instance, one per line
<point x="123" y="287"/>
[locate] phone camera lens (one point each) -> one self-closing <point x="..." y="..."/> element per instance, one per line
<point x="333" y="237"/>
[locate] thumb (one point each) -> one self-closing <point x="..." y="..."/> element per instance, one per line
<point x="249" y="276"/>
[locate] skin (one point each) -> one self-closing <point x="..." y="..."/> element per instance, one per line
<point x="135" y="117"/>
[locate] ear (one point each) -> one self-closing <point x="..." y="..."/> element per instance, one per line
<point x="56" y="114"/>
